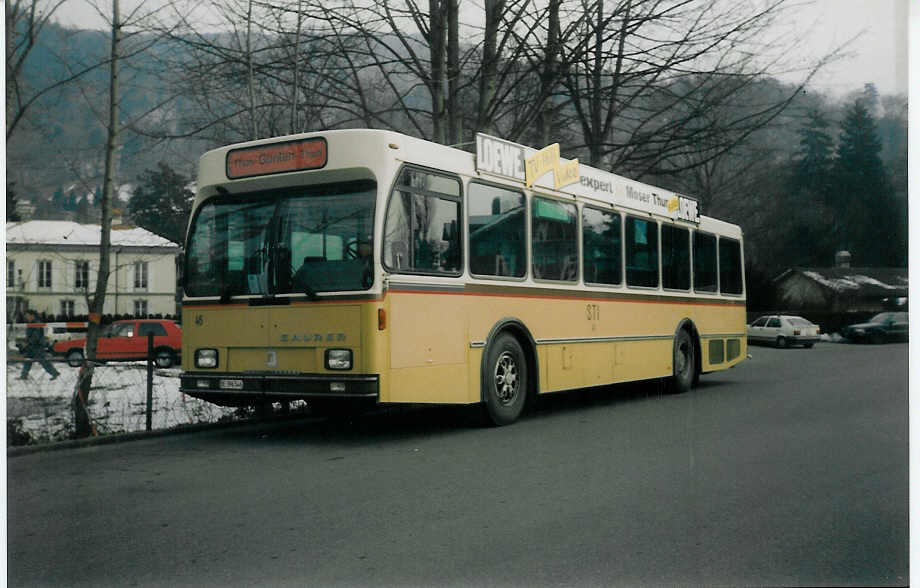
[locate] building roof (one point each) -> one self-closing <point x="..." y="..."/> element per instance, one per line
<point x="46" y="232"/>
<point x="865" y="281"/>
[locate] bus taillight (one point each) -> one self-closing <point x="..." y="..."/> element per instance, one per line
<point x="381" y="319"/>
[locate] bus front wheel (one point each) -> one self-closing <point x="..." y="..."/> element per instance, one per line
<point x="505" y="381"/>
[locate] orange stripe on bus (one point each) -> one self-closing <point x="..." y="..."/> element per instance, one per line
<point x="640" y="299"/>
<point x="632" y="299"/>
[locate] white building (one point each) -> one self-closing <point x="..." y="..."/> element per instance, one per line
<point x="51" y="267"/>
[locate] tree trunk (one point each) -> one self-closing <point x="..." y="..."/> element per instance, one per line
<point x="454" y="114"/>
<point x="489" y="68"/>
<point x="436" y="84"/>
<point x="594" y="142"/>
<point x="82" y="425"/>
<point x="250" y="76"/>
<point x="549" y="75"/>
<point x="296" y="89"/>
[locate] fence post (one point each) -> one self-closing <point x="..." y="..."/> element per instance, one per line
<point x="150" y="359"/>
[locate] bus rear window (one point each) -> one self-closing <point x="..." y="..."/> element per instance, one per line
<point x="730" y="269"/>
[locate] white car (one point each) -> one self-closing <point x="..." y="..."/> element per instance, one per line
<point x="54" y="332"/>
<point x="783" y="331"/>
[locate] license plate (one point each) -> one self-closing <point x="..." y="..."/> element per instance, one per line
<point x="232" y="384"/>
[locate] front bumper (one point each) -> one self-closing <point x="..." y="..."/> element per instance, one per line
<point x="240" y="389"/>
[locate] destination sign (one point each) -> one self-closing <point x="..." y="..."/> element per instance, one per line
<point x="276" y="158"/>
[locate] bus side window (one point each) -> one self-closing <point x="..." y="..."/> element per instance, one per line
<point x="675" y="257"/>
<point x="641" y="253"/>
<point x="601" y="246"/>
<point x="704" y="262"/>
<point x="497" y="229"/>
<point x="420" y="233"/>
<point x="554" y="246"/>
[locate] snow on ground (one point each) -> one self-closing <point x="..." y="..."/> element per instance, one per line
<point x="118" y="401"/>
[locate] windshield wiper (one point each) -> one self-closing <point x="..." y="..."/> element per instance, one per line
<point x="310" y="292"/>
<point x="226" y="293"/>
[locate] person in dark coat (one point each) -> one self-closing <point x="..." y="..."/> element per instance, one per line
<point x="34" y="349"/>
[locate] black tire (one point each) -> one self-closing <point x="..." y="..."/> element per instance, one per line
<point x="876" y="338"/>
<point x="504" y="383"/>
<point x="75" y="358"/>
<point x="164" y="358"/>
<point x="781" y="342"/>
<point x="684" y="363"/>
<point x="809" y="345"/>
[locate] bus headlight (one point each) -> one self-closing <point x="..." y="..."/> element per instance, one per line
<point x="205" y="358"/>
<point x="338" y="359"/>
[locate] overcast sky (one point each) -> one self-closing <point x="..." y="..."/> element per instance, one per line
<point x="880" y="52"/>
<point x="879" y="55"/>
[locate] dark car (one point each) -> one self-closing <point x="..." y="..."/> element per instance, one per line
<point x="883" y="327"/>
<point x="127" y="340"/>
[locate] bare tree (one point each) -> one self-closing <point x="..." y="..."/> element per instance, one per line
<point x="113" y="126"/>
<point x="521" y="65"/>
<point x="25" y="20"/>
<point x="80" y="401"/>
<point x="630" y="82"/>
<point x="642" y="89"/>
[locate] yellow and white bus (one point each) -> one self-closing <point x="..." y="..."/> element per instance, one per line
<point x="366" y="264"/>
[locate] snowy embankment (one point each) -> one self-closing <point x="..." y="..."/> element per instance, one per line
<point x="40" y="408"/>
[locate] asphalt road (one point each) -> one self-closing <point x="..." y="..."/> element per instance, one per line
<point x="791" y="469"/>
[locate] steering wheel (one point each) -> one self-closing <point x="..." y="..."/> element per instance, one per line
<point x="351" y="249"/>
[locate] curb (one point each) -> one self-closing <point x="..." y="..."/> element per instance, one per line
<point x="21" y="450"/>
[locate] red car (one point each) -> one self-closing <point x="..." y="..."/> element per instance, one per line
<point x="127" y="340"/>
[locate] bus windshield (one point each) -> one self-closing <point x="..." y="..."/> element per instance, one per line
<point x="290" y="242"/>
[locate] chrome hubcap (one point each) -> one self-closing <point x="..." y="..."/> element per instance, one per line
<point x="506" y="379"/>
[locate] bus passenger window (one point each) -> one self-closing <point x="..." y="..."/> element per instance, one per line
<point x="704" y="262"/>
<point x="641" y="253"/>
<point x="421" y="231"/>
<point x="554" y="247"/>
<point x="601" y="246"/>
<point x="730" y="266"/>
<point x="675" y="257"/>
<point x="496" y="226"/>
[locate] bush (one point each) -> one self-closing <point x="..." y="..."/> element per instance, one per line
<point x="16" y="435"/>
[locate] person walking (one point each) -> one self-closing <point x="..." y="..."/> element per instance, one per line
<point x="34" y="349"/>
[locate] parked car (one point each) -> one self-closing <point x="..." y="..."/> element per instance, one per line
<point x="127" y="340"/>
<point x="883" y="327"/>
<point x="783" y="331"/>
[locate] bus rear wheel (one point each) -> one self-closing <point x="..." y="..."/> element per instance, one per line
<point x="684" y="366"/>
<point x="504" y="385"/>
